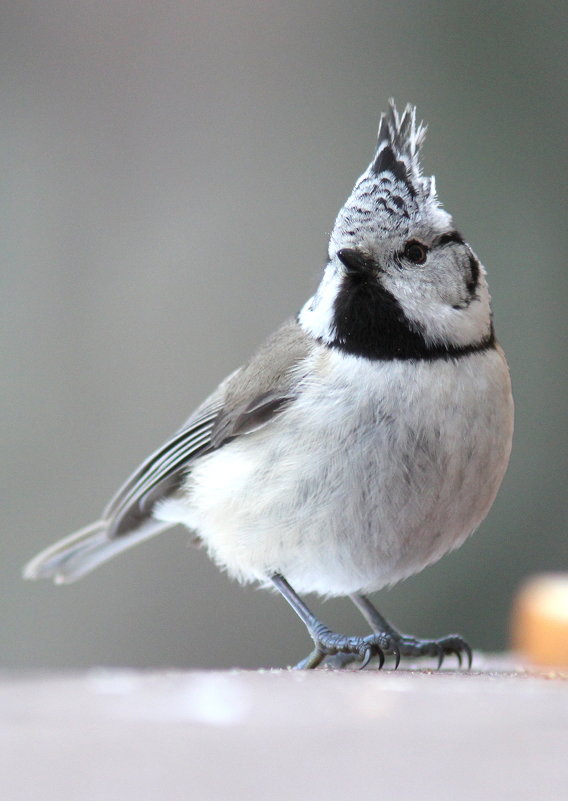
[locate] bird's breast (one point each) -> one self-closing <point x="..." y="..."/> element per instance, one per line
<point x="376" y="470"/>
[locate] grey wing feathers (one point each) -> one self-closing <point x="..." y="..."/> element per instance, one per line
<point x="248" y="417"/>
<point x="247" y="400"/>
<point x="162" y="472"/>
<point x="129" y="511"/>
<point x="75" y="556"/>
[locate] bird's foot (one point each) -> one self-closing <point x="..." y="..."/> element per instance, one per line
<point x="340" y="652"/>
<point x="384" y="641"/>
<point x="412" y="646"/>
<point x="345" y="650"/>
<point x="439" y="649"/>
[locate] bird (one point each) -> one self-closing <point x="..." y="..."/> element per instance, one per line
<point x="366" y="438"/>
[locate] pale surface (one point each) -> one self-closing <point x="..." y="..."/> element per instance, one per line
<point x="226" y="736"/>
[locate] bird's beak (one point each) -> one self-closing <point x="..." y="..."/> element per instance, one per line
<point x="356" y="262"/>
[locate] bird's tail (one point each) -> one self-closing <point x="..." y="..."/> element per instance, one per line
<point x="75" y="556"/>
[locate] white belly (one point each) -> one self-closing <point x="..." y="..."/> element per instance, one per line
<point x="375" y="472"/>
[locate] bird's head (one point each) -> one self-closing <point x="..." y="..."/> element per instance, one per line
<point x="400" y="280"/>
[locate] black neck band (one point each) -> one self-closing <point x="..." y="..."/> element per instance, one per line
<point x="370" y="322"/>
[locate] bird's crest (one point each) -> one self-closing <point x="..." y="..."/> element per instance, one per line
<point x="398" y="146"/>
<point x="392" y="193"/>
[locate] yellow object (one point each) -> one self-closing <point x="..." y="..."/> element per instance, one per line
<point x="540" y="620"/>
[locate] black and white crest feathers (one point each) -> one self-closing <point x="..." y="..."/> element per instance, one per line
<point x="392" y="195"/>
<point x="398" y="147"/>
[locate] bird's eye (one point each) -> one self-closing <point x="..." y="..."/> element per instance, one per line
<point x="415" y="252"/>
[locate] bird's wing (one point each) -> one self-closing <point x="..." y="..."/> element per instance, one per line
<point x="247" y="400"/>
<point x="161" y="473"/>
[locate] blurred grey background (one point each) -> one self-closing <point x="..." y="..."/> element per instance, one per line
<point x="170" y="173"/>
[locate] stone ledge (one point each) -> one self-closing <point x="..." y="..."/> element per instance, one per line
<point x="492" y="733"/>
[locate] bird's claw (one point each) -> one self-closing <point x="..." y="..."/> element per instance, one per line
<point x="343" y="649"/>
<point x="371" y="650"/>
<point x="366" y="658"/>
<point x="441" y="648"/>
<point x="396" y="651"/>
<point x="454" y="644"/>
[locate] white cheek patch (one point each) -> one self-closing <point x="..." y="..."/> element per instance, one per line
<point x="426" y="304"/>
<point x="317" y="315"/>
<point x="440" y="323"/>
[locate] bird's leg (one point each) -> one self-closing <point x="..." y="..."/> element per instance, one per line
<point x="328" y="642"/>
<point x="411" y="646"/>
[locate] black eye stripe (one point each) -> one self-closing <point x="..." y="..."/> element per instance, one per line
<point x="473" y="280"/>
<point x="451" y="236"/>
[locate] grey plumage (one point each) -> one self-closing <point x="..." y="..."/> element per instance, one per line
<point x="243" y="403"/>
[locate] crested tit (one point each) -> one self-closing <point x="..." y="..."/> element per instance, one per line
<point x="365" y="439"/>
